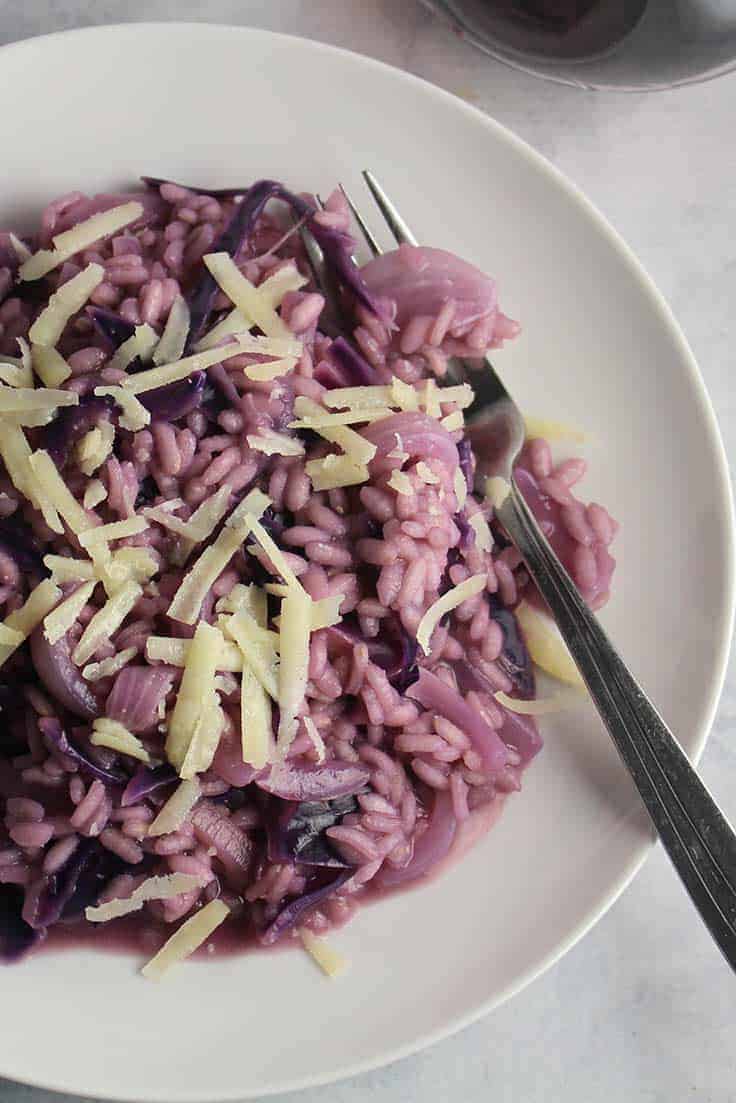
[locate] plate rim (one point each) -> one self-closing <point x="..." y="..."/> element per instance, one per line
<point x="657" y="303"/>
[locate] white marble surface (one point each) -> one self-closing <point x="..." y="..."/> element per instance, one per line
<point x="643" y="1009"/>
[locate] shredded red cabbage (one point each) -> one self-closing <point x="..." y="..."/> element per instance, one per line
<point x="61" y="677"/>
<point x="54" y="734"/>
<point x="295" y="911"/>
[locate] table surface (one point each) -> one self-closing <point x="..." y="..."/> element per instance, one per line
<point x="641" y="1011"/>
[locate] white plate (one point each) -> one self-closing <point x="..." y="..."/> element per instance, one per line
<point x="206" y="104"/>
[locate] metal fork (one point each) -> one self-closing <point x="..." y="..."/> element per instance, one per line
<point x="695" y="833"/>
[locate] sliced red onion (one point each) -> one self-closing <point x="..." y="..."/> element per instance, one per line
<point x="71" y="423"/>
<point x="221" y="379"/>
<point x="421" y="436"/>
<point x="176" y="400"/>
<point x="147" y="780"/>
<point x="421" y="280"/>
<point x="295" y="911"/>
<point x="521" y="733"/>
<point x="430" y="848"/>
<point x="234" y="848"/>
<point x="325" y="782"/>
<point x="228" y="761"/>
<point x="137" y="694"/>
<point x="61" y="677"/>
<point x="54" y="734"/>
<point x="434" y="694"/>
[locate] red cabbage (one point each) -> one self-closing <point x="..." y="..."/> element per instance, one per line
<point x="434" y="694"/>
<point x="113" y="328"/>
<point x="16" y="936"/>
<point x="61" y="677"/>
<point x="71" y="423"/>
<point x="514" y="659"/>
<point x="354" y="367"/>
<point x="176" y="400"/>
<point x="77" y="885"/>
<point x="467" y="462"/>
<point x="305" y="783"/>
<point x="147" y="780"/>
<point x="137" y="694"/>
<point x="295" y="911"/>
<point x="297" y="832"/>
<point x="430" y="848"/>
<point x="55" y="735"/>
<point x="18" y="541"/>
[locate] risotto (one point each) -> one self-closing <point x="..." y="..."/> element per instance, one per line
<point x="264" y="649"/>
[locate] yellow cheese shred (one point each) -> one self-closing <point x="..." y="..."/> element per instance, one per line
<point x="106" y="621"/>
<point x="58" y="493"/>
<point x="49" y="365"/>
<point x="187" y="939"/>
<point x="333" y="472"/>
<point x="187" y="602"/>
<point x="256" y="725"/>
<point x="139" y="345"/>
<point x="115" y="736"/>
<point x="257" y="649"/>
<point x="296" y="623"/>
<point x="20" y="400"/>
<point x="195" y="692"/>
<point x="115" y="530"/>
<point x="79" y="238"/>
<point x="244" y="295"/>
<point x="57" y="623"/>
<point x="181" y="369"/>
<point x="546" y="646"/>
<point x="174" y="336"/>
<point x="95" y="446"/>
<point x="454" y="597"/>
<point x="174" y="652"/>
<point x="135" y="416"/>
<point x="65" y="569"/>
<point x="331" y="961"/>
<point x="558" y="702"/>
<point x="39" y="602"/>
<point x="94" y="493"/>
<point x="107" y="667"/>
<point x="176" y="809"/>
<point x="71" y="297"/>
<point x="481" y="528"/>
<point x="154" y="888"/>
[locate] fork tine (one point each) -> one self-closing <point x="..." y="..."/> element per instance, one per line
<point x="394" y="221"/>
<point x="370" y="241"/>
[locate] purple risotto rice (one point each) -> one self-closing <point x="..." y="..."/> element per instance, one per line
<point x="261" y="651"/>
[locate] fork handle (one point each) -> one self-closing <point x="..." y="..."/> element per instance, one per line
<point x="695" y="833"/>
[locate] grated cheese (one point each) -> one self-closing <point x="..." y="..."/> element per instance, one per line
<point x="194" y="699"/>
<point x="546" y="646"/>
<point x="257" y="647"/>
<point x="174" y="652"/>
<point x="139" y="345"/>
<point x="331" y="962"/>
<point x="39" y="602"/>
<point x="107" y="667"/>
<point x="65" y="569"/>
<point x="187" y="939"/>
<point x="256" y="724"/>
<point x="336" y="471"/>
<point x="356" y="398"/>
<point x="400" y="482"/>
<point x="115" y="736"/>
<point x="58" y="622"/>
<point x="20" y="248"/>
<point x="244" y="295"/>
<point x="125" y="565"/>
<point x="360" y="450"/>
<point x="154" y="888"/>
<point x="426" y="474"/>
<point x="15" y="375"/>
<point x="79" y="238"/>
<point x="430" y="398"/>
<point x="16" y="455"/>
<point x="403" y="395"/>
<point x="58" y="493"/>
<point x="296" y="622"/>
<point x="70" y="298"/>
<point x="95" y="446"/>
<point x="558" y="702"/>
<point x="453" y="421"/>
<point x="271" y="291"/>
<point x="18" y="400"/>
<point x="274" y="369"/>
<point x="174" y="337"/>
<point x="275" y="444"/>
<point x="106" y="621"/>
<point x="319" y="421"/>
<point x="115" y="530"/>
<point x="176" y="809"/>
<point x="254" y="504"/>
<point x="326" y="611"/>
<point x="317" y="741"/>
<point x="454" y="597"/>
<point x="249" y="597"/>
<point x="49" y="365"/>
<point x="205" y="738"/>
<point x="273" y="553"/>
<point x="187" y="602"/>
<point x="135" y="416"/>
<point x="461" y="395"/>
<point x="94" y="493"/>
<point x="181" y="369"/>
<point x="460" y="487"/>
<point x="10" y="637"/>
<point x="552" y="430"/>
<point x="497" y="490"/>
<point x="483" y="535"/>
